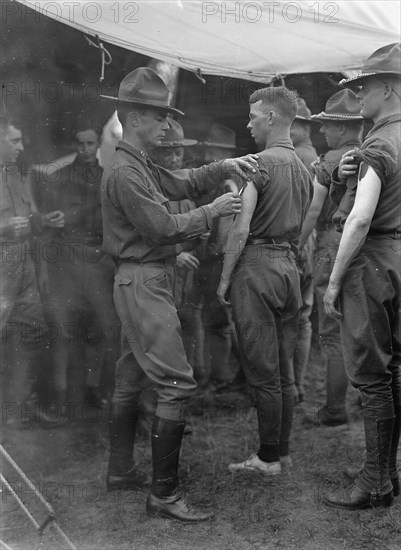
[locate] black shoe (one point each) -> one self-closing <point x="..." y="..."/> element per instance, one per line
<point x="354" y="498"/>
<point x="352" y="472"/>
<point x="324" y="417"/>
<point x="174" y="507"/>
<point x="127" y="480"/>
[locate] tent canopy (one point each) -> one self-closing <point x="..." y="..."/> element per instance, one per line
<point x="249" y="40"/>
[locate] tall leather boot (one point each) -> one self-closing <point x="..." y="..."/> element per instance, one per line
<point x="165" y="499"/>
<point x="372" y="487"/>
<point x="121" y="472"/>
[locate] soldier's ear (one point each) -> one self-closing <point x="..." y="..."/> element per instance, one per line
<point x="133" y="118"/>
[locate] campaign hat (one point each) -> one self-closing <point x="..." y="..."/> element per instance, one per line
<point x="343" y="106"/>
<point x="144" y="87"/>
<point x="220" y="136"/>
<point x="174" y="136"/>
<point x="385" y="61"/>
<point x="304" y="114"/>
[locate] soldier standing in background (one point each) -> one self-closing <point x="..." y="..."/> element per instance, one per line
<point x="342" y="128"/>
<point x="21" y="263"/>
<point x="366" y="277"/>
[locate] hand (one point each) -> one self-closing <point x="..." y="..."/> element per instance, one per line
<point x="188" y="260"/>
<point x="222" y="293"/>
<point x="53" y="219"/>
<point x="18" y="226"/>
<point x="240" y="168"/>
<point x="348" y="166"/>
<point x="330" y="299"/>
<point x="227" y="204"/>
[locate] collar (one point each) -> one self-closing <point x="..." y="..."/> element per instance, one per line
<point x="354" y="142"/>
<point x="305" y="144"/>
<point x="385" y="121"/>
<point x="139" y="155"/>
<point x="281" y="142"/>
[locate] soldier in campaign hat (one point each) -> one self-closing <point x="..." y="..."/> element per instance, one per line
<point x="141" y="233"/>
<point x="367" y="278"/>
<point x="170" y="153"/>
<point x="342" y="126"/>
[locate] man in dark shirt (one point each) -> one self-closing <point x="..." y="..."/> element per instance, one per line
<point x="367" y="278"/>
<point x="81" y="275"/>
<point x="260" y="267"/>
<point x="342" y="127"/>
<point x="141" y="233"/>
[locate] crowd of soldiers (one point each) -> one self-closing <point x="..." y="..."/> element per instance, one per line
<point x="157" y="278"/>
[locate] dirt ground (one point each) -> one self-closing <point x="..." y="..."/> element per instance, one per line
<point x="251" y="512"/>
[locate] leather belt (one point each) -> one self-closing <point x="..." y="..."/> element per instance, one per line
<point x="275" y="241"/>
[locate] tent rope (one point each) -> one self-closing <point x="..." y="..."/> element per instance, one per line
<point x="105" y="54"/>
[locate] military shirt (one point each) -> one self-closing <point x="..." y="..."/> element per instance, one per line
<point x="14" y="201"/>
<point x="307" y="153"/>
<point x="323" y="170"/>
<point x="137" y="221"/>
<point x="382" y="151"/>
<point x="284" y="193"/>
<point x="75" y="190"/>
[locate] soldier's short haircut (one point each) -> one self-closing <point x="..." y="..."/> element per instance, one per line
<point x="283" y="99"/>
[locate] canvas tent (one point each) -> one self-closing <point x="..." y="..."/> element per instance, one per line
<point x="248" y="40"/>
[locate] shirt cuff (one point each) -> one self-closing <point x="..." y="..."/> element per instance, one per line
<point x="208" y="216"/>
<point x="335" y="179"/>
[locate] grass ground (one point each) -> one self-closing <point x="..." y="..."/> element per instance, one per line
<point x="252" y="513"/>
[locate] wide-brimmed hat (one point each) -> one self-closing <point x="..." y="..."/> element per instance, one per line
<point x="174" y="136"/>
<point x="304" y="114"/>
<point x="220" y="136"/>
<point x="384" y="61"/>
<point x="144" y="87"/>
<point x="343" y="106"/>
